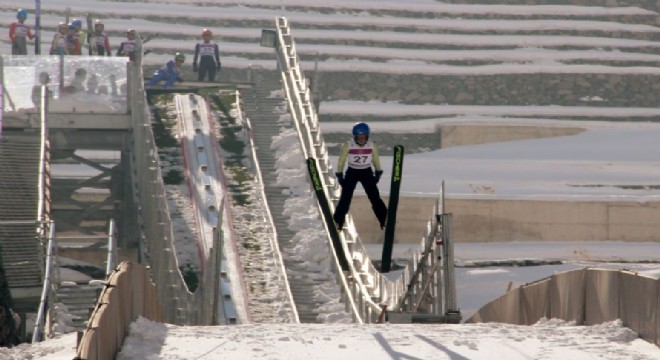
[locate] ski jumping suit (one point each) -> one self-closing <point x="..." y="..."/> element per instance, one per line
<point x="127" y="48"/>
<point x="58" y="46"/>
<point x="169" y="72"/>
<point x="18" y="34"/>
<point x="101" y="44"/>
<point x="72" y="45"/>
<point x="360" y="159"/>
<point x="209" y="60"/>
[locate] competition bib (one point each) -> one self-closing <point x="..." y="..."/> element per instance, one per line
<point x="206" y="49"/>
<point x="360" y="157"/>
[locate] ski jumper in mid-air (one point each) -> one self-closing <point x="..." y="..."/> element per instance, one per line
<point x="361" y="154"/>
<point x="19" y="33"/>
<point x="169" y="72"/>
<point x="209" y="57"/>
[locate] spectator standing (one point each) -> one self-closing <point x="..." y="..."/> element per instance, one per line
<point x="209" y="57"/>
<point x="72" y="41"/>
<point x="127" y="47"/>
<point x="19" y="32"/>
<point x="58" y="45"/>
<point x="169" y="72"/>
<point x="80" y="34"/>
<point x="100" y="41"/>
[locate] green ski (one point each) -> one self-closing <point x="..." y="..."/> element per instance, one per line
<point x="326" y="212"/>
<point x="395" y="185"/>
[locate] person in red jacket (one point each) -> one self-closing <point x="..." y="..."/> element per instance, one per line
<point x="19" y="33"/>
<point x="99" y="41"/>
<point x="209" y="57"/>
<point x="72" y="41"/>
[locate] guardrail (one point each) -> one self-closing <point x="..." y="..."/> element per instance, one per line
<point x="51" y="280"/>
<point x="368" y="292"/>
<point x="180" y="305"/>
<point x="301" y="112"/>
<point x="274" y="243"/>
<point x="111" y="262"/>
<point x="431" y="293"/>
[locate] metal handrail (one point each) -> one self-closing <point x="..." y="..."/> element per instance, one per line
<point x="360" y="298"/>
<point x="391" y="293"/>
<point x="48" y="290"/>
<point x="111" y="262"/>
<point x="271" y="222"/>
<point x="180" y="306"/>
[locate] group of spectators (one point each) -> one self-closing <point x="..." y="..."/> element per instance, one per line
<point x="71" y="39"/>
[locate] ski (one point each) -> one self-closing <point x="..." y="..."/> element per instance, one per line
<point x="90" y="34"/>
<point x="395" y="185"/>
<point x="326" y="212"/>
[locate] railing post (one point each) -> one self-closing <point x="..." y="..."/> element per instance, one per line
<point x="451" y="311"/>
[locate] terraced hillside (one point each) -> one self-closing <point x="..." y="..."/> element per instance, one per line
<point x="562" y="53"/>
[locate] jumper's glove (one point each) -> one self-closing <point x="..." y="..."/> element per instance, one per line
<point x="379" y="173"/>
<point x="340" y="178"/>
<point x="194" y="67"/>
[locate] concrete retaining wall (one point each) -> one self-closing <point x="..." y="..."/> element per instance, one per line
<point x="497" y="220"/>
<point x="612" y="90"/>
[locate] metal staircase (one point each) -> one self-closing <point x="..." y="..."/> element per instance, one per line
<point x="20" y="231"/>
<point x="260" y="108"/>
<point x="79" y="300"/>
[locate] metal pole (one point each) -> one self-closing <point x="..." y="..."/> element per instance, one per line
<point x="452" y="312"/>
<point x="37" y="334"/>
<point x="2" y="92"/>
<point x="112" y="249"/>
<point x="37" y="27"/>
<point x="437" y="255"/>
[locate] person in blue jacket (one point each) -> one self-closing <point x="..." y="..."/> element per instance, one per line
<point x="169" y="72"/>
<point x="361" y="154"/>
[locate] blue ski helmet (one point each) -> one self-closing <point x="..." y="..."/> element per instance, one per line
<point x="76" y="22"/>
<point x="21" y="14"/>
<point x="361" y="129"/>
